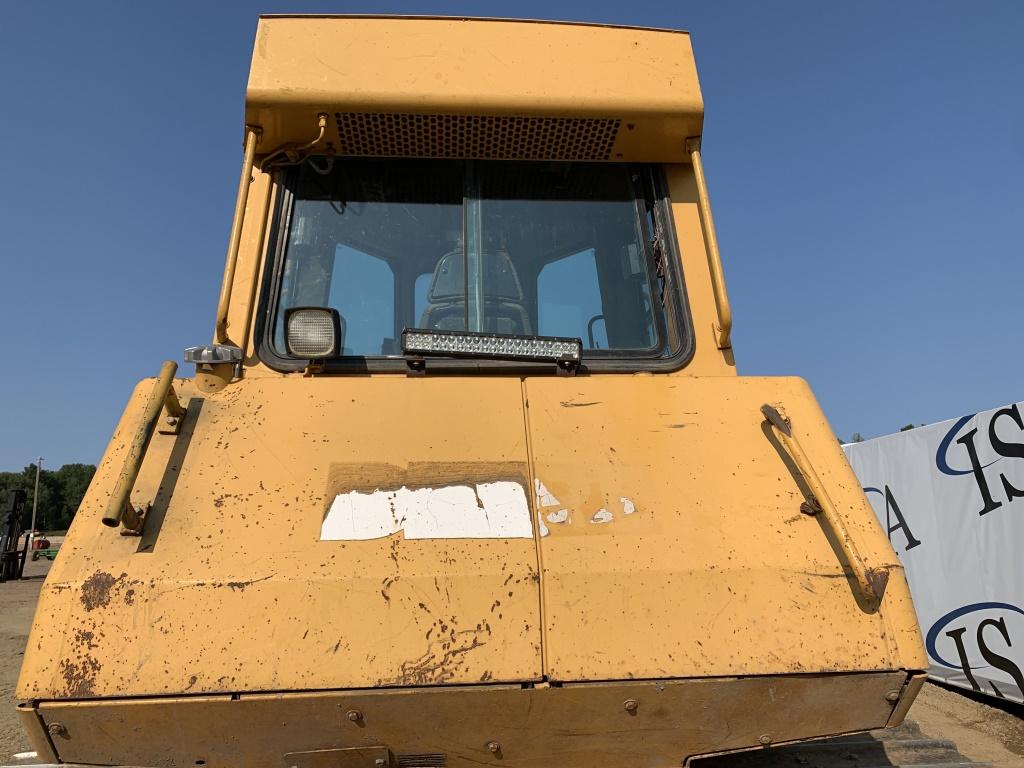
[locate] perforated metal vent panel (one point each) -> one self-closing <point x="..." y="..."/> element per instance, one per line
<point x="475" y="136"/>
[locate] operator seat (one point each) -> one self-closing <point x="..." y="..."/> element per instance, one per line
<point x="504" y="308"/>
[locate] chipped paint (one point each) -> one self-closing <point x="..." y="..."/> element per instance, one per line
<point x="79" y="676"/>
<point x="267" y="467"/>
<point x="602" y="516"/>
<point x="497" y="510"/>
<point x="559" y="516"/>
<point x="544" y="497"/>
<point x="547" y="499"/>
<point x="99" y="589"/>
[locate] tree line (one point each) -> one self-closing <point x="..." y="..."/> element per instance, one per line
<point x="60" y="493"/>
<point x="857" y="437"/>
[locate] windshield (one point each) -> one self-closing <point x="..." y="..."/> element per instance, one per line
<point x="525" y="248"/>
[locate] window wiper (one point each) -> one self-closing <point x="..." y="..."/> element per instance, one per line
<point x="420" y="343"/>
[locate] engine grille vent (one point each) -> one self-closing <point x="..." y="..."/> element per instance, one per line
<point x="436" y="760"/>
<point x="481" y="137"/>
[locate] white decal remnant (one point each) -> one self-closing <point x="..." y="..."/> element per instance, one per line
<point x="497" y="510"/>
<point x="601" y="516"/>
<point x="559" y="516"/>
<point x="628" y="507"/>
<point x="547" y="499"/>
<point x="544" y="496"/>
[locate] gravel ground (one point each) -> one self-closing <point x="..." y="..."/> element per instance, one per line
<point x="17" y="604"/>
<point x="981" y="732"/>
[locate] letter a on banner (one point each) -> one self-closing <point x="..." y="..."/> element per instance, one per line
<point x="892" y="509"/>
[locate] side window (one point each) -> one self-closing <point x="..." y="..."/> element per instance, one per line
<point x="569" y="300"/>
<point x="363" y="292"/>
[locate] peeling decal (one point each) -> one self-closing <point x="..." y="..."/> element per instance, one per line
<point x="544" y="496"/>
<point x="544" y="499"/>
<point x="601" y="516"/>
<point x="628" y="507"/>
<point x="558" y="517"/>
<point x="497" y="510"/>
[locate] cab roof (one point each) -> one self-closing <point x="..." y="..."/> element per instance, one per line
<point x="427" y="86"/>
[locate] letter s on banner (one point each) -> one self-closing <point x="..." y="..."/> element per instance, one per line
<point x="967" y="634"/>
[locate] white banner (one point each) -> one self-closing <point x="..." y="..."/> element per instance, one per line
<point x="951" y="496"/>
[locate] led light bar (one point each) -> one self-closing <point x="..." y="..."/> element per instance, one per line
<point x="419" y="341"/>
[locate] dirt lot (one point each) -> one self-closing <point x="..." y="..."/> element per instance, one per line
<point x="17" y="604"/>
<point x="981" y="732"/>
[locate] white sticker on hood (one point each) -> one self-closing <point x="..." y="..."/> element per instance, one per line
<point x="497" y="510"/>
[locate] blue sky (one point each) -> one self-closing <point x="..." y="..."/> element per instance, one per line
<point x="865" y="160"/>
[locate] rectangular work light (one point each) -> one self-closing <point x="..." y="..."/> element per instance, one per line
<point x="419" y="341"/>
<point x="313" y="332"/>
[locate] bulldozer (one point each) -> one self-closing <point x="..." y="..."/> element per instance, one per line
<point x="467" y="475"/>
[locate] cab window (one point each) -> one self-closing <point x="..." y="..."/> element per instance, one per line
<point x="521" y="248"/>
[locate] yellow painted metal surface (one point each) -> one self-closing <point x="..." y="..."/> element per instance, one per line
<point x="246" y="279"/>
<point x="645" y="78"/>
<point x="708" y="359"/>
<point x="580" y="726"/>
<point x="235" y="238"/>
<point x="635" y="526"/>
<point x="35" y="729"/>
<point x="723" y="326"/>
<point x="230" y="587"/>
<point x="907" y="696"/>
<point x="676" y="546"/>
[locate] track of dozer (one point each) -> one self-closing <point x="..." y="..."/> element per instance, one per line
<point x="901" y="747"/>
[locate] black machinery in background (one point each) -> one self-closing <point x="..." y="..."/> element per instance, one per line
<point x="12" y="559"/>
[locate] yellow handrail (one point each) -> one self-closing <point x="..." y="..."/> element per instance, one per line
<point x="119" y="506"/>
<point x="723" y="329"/>
<point x="872" y="581"/>
<point x="235" y="239"/>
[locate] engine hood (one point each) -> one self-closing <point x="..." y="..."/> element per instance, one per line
<point x="355" y="532"/>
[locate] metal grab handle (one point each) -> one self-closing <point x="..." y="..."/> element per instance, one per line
<point x="872" y="581"/>
<point x="119" y="507"/>
<point x="723" y="329"/>
<point x="220" y="334"/>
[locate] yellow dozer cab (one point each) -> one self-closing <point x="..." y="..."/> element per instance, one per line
<point x="467" y="476"/>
